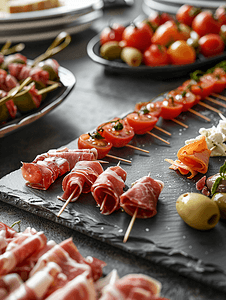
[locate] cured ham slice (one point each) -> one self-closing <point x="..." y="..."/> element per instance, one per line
<point x="70" y="268"/>
<point x="71" y="155"/>
<point x="21" y="72"/>
<point x="7" y="81"/>
<point x="143" y="195"/>
<point x="10" y="259"/>
<point x="79" y="288"/>
<point x="37" y="286"/>
<point x="80" y="179"/>
<point x="47" y="167"/>
<point x="133" y="286"/>
<point x="9" y="283"/>
<point x="107" y="189"/>
<point x="193" y="158"/>
<point x="95" y="264"/>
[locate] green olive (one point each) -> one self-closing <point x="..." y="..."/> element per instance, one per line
<point x="220" y="199"/>
<point x="198" y="211"/>
<point x="4" y="113"/>
<point x="110" y="50"/>
<point x="132" y="56"/>
<point x="24" y="102"/>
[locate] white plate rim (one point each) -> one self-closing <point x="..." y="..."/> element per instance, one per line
<point x="81" y="24"/>
<point x="69" y="7"/>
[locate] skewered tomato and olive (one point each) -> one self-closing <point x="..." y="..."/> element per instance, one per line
<point x="163" y="39"/>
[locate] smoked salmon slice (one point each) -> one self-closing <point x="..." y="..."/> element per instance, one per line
<point x="193" y="158"/>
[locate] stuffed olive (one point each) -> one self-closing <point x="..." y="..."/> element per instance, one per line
<point x="198" y="211"/>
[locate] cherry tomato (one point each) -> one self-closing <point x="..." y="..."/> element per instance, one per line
<point x="219" y="81"/>
<point x="180" y="53"/>
<point x="223" y="33"/>
<point x="186" y="14"/>
<point x="156" y="18"/>
<point x="185" y="31"/>
<point x="156" y="55"/>
<point x="112" y="33"/>
<point x="220" y="14"/>
<point x="202" y="88"/>
<point x="151" y="108"/>
<point x="141" y="123"/>
<point x="205" y="23"/>
<point x="138" y="36"/>
<point x="118" y="132"/>
<point x="170" y="109"/>
<point x="95" y="140"/>
<point x="184" y="97"/>
<point x="211" y="44"/>
<point x="166" y="34"/>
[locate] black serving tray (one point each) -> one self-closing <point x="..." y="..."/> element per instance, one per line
<point x="164" y="239"/>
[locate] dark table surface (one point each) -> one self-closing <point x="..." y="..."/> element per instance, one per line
<point x="97" y="97"/>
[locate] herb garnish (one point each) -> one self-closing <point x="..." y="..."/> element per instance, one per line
<point x="218" y="180"/>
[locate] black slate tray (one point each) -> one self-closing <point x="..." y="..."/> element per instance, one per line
<point x="164" y="239"/>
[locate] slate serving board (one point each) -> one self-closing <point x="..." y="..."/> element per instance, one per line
<point x="163" y="239"/>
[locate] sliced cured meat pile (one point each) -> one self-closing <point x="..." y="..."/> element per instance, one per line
<point x="107" y="189"/>
<point x="47" y="167"/>
<point x="80" y="179"/>
<point x="133" y="286"/>
<point x="193" y="158"/>
<point x="143" y="197"/>
<point x="59" y="271"/>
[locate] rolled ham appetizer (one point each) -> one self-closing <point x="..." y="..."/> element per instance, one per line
<point x="107" y="189"/>
<point x="80" y="179"/>
<point x="143" y="197"/>
<point x="47" y="167"/>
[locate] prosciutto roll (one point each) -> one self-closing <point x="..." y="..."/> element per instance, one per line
<point x="80" y="179"/>
<point x="47" y="167"/>
<point x="107" y="189"/>
<point x="143" y="195"/>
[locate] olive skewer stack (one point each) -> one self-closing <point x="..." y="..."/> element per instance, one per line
<point x="23" y="87"/>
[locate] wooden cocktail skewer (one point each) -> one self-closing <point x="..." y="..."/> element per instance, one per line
<point x="179" y="123"/>
<point x="162" y="130"/>
<point x="66" y="203"/>
<point x="198" y="114"/>
<point x="136" y="148"/>
<point x="118" y="158"/>
<point x="12" y="93"/>
<point x="219" y="96"/>
<point x="60" y="42"/>
<point x="222" y="116"/>
<point x="6" y="50"/>
<point x="103" y="203"/>
<point x="216" y="102"/>
<point x="157" y="137"/>
<point x="209" y="107"/>
<point x="130" y="226"/>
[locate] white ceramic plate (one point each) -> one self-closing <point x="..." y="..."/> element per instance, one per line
<point x="200" y="3"/>
<point x="68" y="7"/>
<point x="81" y="23"/>
<point x="173" y="6"/>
